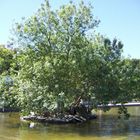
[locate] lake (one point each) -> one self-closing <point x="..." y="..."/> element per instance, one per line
<point x="107" y="127"/>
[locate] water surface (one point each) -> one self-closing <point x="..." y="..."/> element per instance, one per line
<point x="105" y="127"/>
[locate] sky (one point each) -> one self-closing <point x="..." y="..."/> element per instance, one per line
<point x="119" y="19"/>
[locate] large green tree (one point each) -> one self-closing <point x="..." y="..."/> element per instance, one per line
<point x="63" y="61"/>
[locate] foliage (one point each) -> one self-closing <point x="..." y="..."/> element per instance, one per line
<point x="7" y="95"/>
<point x="6" y="56"/>
<point x="61" y="59"/>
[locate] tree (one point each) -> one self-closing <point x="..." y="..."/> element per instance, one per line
<point x="7" y="95"/>
<point x="6" y="56"/>
<point x="61" y="64"/>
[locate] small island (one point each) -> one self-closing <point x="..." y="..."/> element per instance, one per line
<point x="57" y="69"/>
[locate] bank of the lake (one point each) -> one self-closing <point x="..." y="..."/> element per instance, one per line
<point x="9" y="110"/>
<point x="106" y="127"/>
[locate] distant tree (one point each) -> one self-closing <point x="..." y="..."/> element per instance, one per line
<point x="6" y="56"/>
<point x="7" y="95"/>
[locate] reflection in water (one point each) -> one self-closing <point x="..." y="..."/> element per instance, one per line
<point x="106" y="127"/>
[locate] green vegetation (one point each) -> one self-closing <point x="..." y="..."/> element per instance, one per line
<point x="7" y="96"/>
<point x="61" y="62"/>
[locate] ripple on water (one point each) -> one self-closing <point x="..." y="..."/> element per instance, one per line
<point x="106" y="127"/>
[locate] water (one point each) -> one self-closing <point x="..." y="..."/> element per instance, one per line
<point x="105" y="127"/>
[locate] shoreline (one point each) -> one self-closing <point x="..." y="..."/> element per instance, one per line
<point x="6" y="110"/>
<point x="99" y="106"/>
<point x="118" y="105"/>
<point x="66" y="119"/>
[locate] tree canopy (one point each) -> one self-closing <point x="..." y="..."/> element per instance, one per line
<point x="62" y="59"/>
<point x="7" y="63"/>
